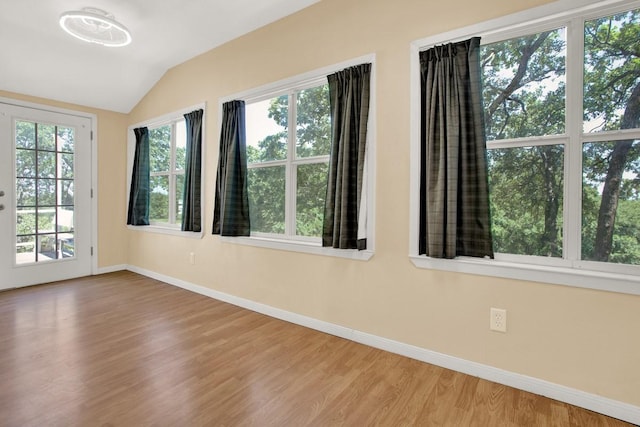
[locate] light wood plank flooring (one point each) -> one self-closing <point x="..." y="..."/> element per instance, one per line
<point x="124" y="350"/>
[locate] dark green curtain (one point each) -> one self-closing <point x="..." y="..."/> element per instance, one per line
<point x="454" y="194"/>
<point x="191" y="204"/>
<point x="139" y="193"/>
<point x="231" y="210"/>
<point x="345" y="215"/>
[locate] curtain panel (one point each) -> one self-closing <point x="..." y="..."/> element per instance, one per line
<point x="345" y="212"/>
<point x="454" y="191"/>
<point x="231" y="210"/>
<point x="138" y="213"/>
<point x="191" y="195"/>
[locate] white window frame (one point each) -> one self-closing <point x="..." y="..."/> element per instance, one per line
<point x="170" y="119"/>
<point x="289" y="241"/>
<point x="569" y="270"/>
<point x="171" y="174"/>
<point x="291" y="163"/>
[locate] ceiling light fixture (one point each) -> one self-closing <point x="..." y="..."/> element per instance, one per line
<point x="95" y="26"/>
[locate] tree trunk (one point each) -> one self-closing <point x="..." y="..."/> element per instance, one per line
<point x="550" y="236"/>
<point x="613" y="181"/>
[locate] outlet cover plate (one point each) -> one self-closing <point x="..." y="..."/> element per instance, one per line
<point x="498" y="320"/>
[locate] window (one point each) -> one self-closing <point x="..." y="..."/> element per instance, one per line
<point x="167" y="164"/>
<point x="288" y="139"/>
<point x="563" y="138"/>
<point x="167" y="147"/>
<point x="530" y="132"/>
<point x="287" y="166"/>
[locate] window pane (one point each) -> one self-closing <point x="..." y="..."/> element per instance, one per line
<point x="46" y="220"/>
<point x="160" y="148"/>
<point x="25" y="163"/>
<point x="65" y="139"/>
<point x="266" y="199"/>
<point x="313" y="125"/>
<point x="46" y="192"/>
<point x="266" y="124"/>
<point x="611" y="202"/>
<point x="66" y="245"/>
<point x="526" y="189"/>
<point x="310" y="197"/>
<point x="66" y="188"/>
<point x="611" y="72"/>
<point x="179" y="195"/>
<point x="26" y="221"/>
<point x="66" y="165"/>
<point x="65" y="220"/>
<point x="46" y="164"/>
<point x="47" y="247"/>
<point x="181" y="145"/>
<point x="159" y="199"/>
<point x="25" y="134"/>
<point x="25" y="192"/>
<point x="524" y="86"/>
<point x="46" y="137"/>
<point x="25" y="249"/>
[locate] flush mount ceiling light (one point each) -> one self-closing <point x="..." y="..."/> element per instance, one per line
<point x="95" y="26"/>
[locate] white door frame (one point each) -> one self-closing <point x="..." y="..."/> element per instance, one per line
<point x="94" y="163"/>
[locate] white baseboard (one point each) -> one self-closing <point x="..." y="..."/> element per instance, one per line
<point x="112" y="268"/>
<point x="600" y="404"/>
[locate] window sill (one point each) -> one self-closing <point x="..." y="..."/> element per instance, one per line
<point x="581" y="278"/>
<point x="301" y="247"/>
<point x="166" y="230"/>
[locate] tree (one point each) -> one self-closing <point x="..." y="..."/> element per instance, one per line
<point x="612" y="85"/>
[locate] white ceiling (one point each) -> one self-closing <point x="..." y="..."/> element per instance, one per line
<point x="40" y="59"/>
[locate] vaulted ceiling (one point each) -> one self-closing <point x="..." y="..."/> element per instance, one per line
<point x="40" y="59"/>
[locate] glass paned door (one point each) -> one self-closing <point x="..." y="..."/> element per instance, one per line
<point x="45" y="175"/>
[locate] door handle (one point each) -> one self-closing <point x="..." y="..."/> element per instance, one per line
<point x="1" y="207"/>
<point x="1" y="193"/>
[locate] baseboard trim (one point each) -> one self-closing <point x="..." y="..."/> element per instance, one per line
<point x="613" y="408"/>
<point x="112" y="268"/>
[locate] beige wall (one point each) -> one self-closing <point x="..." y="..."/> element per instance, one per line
<point x="579" y="338"/>
<point x="112" y="164"/>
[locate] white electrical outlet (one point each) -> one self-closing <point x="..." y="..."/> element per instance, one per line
<point x="498" y="320"/>
<point x="192" y="258"/>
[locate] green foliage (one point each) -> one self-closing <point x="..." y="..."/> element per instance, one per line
<point x="526" y="189"/>
<point x="612" y="67"/>
<point x="523" y="82"/>
<point x="267" y="183"/>
<point x="267" y="199"/>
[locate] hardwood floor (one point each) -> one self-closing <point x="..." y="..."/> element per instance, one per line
<point x="124" y="350"/>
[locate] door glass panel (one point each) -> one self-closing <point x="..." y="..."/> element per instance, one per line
<point x="26" y="192"/>
<point x="25" y="163"/>
<point x="46" y="139"/>
<point x="25" y="249"/>
<point x="46" y="192"/>
<point x="26" y="221"/>
<point x="44" y="166"/>
<point x="65" y="139"/>
<point x="26" y="135"/>
<point x="66" y="192"/>
<point x="66" y="165"/>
